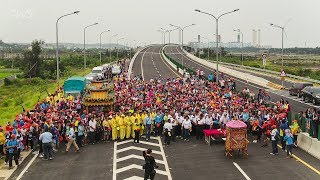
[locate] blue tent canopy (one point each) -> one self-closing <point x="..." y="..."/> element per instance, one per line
<point x="74" y="84"/>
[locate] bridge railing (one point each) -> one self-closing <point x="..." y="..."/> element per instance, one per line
<point x="272" y="72"/>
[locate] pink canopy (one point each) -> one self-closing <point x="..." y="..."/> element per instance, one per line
<point x="236" y="124"/>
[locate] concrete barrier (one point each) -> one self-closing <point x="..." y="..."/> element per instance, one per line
<point x="275" y="86"/>
<point x="244" y="76"/>
<point x="304" y="141"/>
<point x="169" y="62"/>
<point x="314" y="148"/>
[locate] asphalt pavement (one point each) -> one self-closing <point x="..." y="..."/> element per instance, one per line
<point x="149" y="63"/>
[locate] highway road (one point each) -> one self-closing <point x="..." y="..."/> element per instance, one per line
<point x="297" y="105"/>
<point x="149" y="63"/>
<point x="181" y="160"/>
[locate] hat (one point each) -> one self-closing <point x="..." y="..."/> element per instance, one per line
<point x="274" y="127"/>
<point x="13" y="136"/>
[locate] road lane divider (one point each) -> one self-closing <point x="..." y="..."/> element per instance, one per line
<point x="169" y="64"/>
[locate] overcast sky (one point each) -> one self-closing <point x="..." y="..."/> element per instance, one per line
<point x="26" y="20"/>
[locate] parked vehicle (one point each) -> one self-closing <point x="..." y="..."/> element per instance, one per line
<point x="91" y="77"/>
<point x="311" y="94"/>
<point x="99" y="70"/>
<point x="116" y="70"/>
<point x="296" y="88"/>
<point x="74" y="85"/>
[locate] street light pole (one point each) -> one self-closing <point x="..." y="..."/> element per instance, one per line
<point x="182" y="29"/>
<point x="163" y="33"/>
<point x="238" y="30"/>
<point x="118" y="46"/>
<point x="110" y="46"/>
<point x="131" y="47"/>
<point x="208" y="45"/>
<point x="57" y="42"/>
<point x="282" y="32"/>
<point x="169" y="31"/>
<point x="217" y="36"/>
<point x="84" y="44"/>
<point x="101" y="44"/>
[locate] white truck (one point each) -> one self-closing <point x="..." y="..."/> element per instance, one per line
<point x="99" y="71"/>
<point x="116" y="70"/>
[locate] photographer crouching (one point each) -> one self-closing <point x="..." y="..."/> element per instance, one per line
<point x="150" y="165"/>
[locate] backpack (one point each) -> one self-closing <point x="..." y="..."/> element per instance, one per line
<point x="277" y="136"/>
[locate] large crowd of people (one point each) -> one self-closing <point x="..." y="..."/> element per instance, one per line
<point x="173" y="108"/>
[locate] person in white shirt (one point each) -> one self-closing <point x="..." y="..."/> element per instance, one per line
<point x="224" y="119"/>
<point x="92" y="130"/>
<point x="167" y="128"/>
<point x="71" y="136"/>
<point x="208" y="121"/>
<point x="180" y="119"/>
<point x="174" y="128"/>
<point x="200" y="126"/>
<point x="274" y="140"/>
<point x="186" y="126"/>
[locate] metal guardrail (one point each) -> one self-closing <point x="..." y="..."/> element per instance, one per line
<point x="272" y="72"/>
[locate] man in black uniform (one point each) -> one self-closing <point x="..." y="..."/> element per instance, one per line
<point x="150" y="165"/>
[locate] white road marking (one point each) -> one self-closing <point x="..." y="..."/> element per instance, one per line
<point x="27" y="167"/>
<point x="141" y="142"/>
<point x="134" y="156"/>
<point x="114" y="174"/>
<point x="135" y="166"/>
<point x="242" y="172"/>
<point x="165" y="160"/>
<point x="142" y="75"/>
<point x="136" y="148"/>
<point x="134" y="178"/>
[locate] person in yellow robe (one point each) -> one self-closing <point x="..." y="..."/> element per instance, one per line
<point x="118" y="117"/>
<point x="122" y="126"/>
<point x="128" y="126"/>
<point x="137" y="128"/>
<point x="106" y="124"/>
<point x="132" y="120"/>
<point x="114" y="126"/>
<point x="143" y="116"/>
<point x="153" y="117"/>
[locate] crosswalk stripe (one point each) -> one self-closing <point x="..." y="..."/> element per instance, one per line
<point x="131" y="156"/>
<point x="137" y="148"/>
<point x="135" y="166"/>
